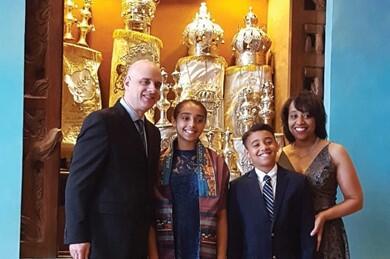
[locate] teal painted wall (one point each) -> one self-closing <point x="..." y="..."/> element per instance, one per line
<point x="357" y="83"/>
<point x="12" y="18"/>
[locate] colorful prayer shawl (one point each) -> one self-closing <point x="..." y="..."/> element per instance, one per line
<point x="204" y="170"/>
<point x="213" y="176"/>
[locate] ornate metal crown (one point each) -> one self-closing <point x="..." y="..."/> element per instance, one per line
<point x="251" y="43"/>
<point x="202" y="36"/>
<point x="138" y="14"/>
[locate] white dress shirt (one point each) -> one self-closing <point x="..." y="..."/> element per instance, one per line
<point x="134" y="116"/>
<point x="272" y="173"/>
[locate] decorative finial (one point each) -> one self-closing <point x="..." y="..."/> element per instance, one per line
<point x="138" y="15"/>
<point x="84" y="25"/>
<point x="69" y="20"/>
<point x="163" y="104"/>
<point x="177" y="88"/>
<point x="251" y="43"/>
<point x="202" y="36"/>
<point x="250" y="18"/>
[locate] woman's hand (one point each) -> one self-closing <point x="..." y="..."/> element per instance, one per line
<point x="319" y="228"/>
<point x="80" y="251"/>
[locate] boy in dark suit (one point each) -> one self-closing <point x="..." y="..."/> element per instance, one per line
<point x="270" y="211"/>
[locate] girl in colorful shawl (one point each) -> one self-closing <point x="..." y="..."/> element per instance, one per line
<point x="190" y="209"/>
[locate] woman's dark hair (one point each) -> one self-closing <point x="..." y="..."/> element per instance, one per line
<point x="180" y="105"/>
<point x="308" y="102"/>
<point x="257" y="127"/>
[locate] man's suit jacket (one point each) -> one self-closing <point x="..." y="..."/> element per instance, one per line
<point x="251" y="232"/>
<point x="109" y="188"/>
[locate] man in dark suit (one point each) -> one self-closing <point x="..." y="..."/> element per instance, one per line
<point x="108" y="207"/>
<point x="270" y="211"/>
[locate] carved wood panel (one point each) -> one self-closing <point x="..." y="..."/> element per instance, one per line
<point x="307" y="48"/>
<point x="42" y="136"/>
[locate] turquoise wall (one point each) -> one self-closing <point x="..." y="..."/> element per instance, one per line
<point x="12" y="18"/>
<point x="357" y="82"/>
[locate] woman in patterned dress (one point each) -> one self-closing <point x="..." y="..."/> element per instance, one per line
<point x="327" y="166"/>
<point x="190" y="209"/>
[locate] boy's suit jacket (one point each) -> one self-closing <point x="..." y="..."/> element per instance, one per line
<point x="108" y="193"/>
<point x="253" y="235"/>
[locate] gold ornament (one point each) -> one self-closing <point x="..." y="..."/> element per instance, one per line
<point x="69" y="19"/>
<point x="202" y="36"/>
<point x="84" y="25"/>
<point x="251" y="43"/>
<point x="138" y="14"/>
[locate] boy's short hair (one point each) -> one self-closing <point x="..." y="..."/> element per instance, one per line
<point x="257" y="127"/>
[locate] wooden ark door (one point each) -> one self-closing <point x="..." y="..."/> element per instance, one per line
<point x="307" y="48"/>
<point x="42" y="135"/>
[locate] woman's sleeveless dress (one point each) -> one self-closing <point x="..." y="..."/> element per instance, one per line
<point x="321" y="175"/>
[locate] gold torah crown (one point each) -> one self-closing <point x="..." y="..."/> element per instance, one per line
<point x="202" y="36"/>
<point x="251" y="43"/>
<point x="138" y="14"/>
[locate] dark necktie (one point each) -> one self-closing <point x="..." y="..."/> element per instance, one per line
<point x="268" y="196"/>
<point x="141" y="131"/>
